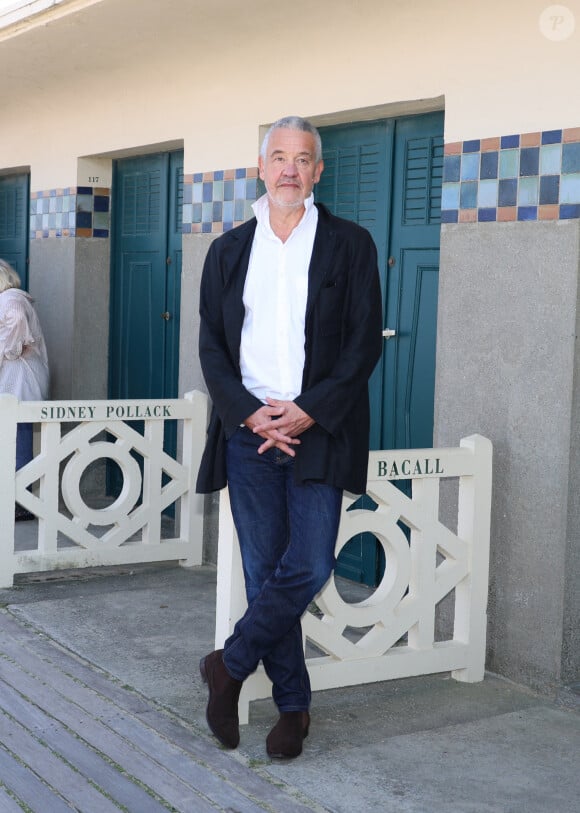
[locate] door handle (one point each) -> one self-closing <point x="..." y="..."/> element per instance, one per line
<point x="388" y="334"/>
<point x="166" y="315"/>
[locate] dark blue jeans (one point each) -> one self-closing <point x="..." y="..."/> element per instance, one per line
<point x="23" y="444"/>
<point x="287" y="535"/>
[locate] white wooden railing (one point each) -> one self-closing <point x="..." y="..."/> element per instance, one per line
<point x="396" y="624"/>
<point x="76" y="436"/>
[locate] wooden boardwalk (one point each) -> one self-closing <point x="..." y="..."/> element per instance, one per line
<point x="71" y="738"/>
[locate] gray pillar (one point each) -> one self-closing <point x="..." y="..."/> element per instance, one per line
<point x="507" y="363"/>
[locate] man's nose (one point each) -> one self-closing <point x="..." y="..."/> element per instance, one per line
<point x="290" y="169"/>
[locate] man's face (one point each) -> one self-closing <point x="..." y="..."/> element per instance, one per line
<point x="290" y="169"/>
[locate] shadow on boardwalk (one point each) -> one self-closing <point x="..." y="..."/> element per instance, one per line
<point x="102" y="710"/>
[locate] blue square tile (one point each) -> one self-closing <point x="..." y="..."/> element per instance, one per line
<point x="549" y="189"/>
<point x="239" y="209"/>
<point x="570" y="188"/>
<point x="100" y="220"/>
<point x="470" y="167"/>
<point x="527" y="212"/>
<point x="100" y="232"/>
<point x="449" y="216"/>
<point x="228" y="225"/>
<point x="84" y="190"/>
<point x="510" y="141"/>
<point x="251" y="189"/>
<point x="84" y="203"/>
<point x="228" y="211"/>
<point x="216" y="214"/>
<point x="196" y="213"/>
<point x="218" y="190"/>
<point x="451" y="168"/>
<point x="487" y="194"/>
<point x="186" y="228"/>
<point x="197" y="177"/>
<point x="509" y="163"/>
<point x="468" y="195"/>
<point x="197" y="193"/>
<point x="207" y="212"/>
<point x="487" y="215"/>
<point x="551" y="159"/>
<point x="228" y="190"/>
<point x="569" y="211"/>
<point x="240" y="189"/>
<point x="471" y="146"/>
<point x="240" y="173"/>
<point x="206" y="228"/>
<point x="207" y="191"/>
<point x="529" y="161"/>
<point x="84" y="220"/>
<point x="187" y="213"/>
<point x="450" y="196"/>
<point x="508" y="192"/>
<point x="551" y="136"/>
<point x="529" y="191"/>
<point x="218" y="175"/>
<point x="489" y="165"/>
<point x="101" y="203"/>
<point x="571" y="157"/>
<point x="188" y="193"/>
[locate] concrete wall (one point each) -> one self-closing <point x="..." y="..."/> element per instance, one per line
<point x="52" y="284"/>
<point x="506" y="358"/>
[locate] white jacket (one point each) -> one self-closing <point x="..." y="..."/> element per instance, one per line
<point x="23" y="360"/>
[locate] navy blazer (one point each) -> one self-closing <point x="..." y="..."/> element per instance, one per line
<point x="343" y="342"/>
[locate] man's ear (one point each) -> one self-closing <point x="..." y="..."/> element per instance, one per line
<point x="318" y="171"/>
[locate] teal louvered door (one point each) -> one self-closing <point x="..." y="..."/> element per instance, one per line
<point x="412" y="284"/>
<point x="146" y="273"/>
<point x="146" y="286"/>
<point x="387" y="176"/>
<point x="14" y="196"/>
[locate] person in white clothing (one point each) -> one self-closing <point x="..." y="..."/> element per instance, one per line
<point x="23" y="360"/>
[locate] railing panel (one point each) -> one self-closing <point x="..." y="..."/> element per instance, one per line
<point x="391" y="633"/>
<point x="132" y="527"/>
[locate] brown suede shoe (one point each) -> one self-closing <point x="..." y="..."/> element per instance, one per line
<point x="285" y="740"/>
<point x="224" y="693"/>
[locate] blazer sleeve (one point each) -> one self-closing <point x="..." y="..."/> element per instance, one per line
<point x="219" y="343"/>
<point x="330" y="398"/>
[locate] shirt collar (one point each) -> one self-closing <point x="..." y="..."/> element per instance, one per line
<point x="261" y="210"/>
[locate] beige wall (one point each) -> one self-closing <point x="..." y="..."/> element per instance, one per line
<point x="129" y="74"/>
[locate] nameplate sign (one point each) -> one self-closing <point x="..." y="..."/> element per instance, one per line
<point x="80" y="411"/>
<point x="412" y="464"/>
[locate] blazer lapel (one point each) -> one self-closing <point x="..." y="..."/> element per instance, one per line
<point x="322" y="253"/>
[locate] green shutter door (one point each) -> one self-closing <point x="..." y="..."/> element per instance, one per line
<point x="413" y="281"/>
<point x="14" y="207"/>
<point x="145" y="289"/>
<point x="387" y="177"/>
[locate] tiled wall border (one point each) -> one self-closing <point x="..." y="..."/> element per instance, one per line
<point x="214" y="202"/>
<point x="76" y="211"/>
<point x="533" y="176"/>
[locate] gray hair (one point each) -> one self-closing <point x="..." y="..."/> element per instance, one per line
<point x="8" y="277"/>
<point x="294" y="123"/>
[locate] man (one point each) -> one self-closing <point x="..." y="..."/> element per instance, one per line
<point x="290" y="333"/>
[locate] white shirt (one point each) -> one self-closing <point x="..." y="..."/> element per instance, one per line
<point x="23" y="360"/>
<point x="275" y="293"/>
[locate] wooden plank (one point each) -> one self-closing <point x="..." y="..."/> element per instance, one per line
<point x="52" y="770"/>
<point x="90" y="764"/>
<point x="8" y="804"/>
<point x="26" y="786"/>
